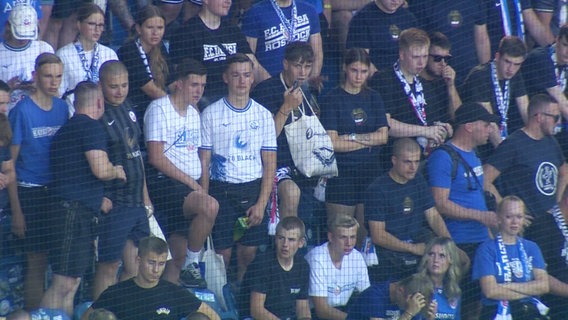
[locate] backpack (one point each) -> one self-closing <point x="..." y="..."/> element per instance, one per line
<point x="490" y="200"/>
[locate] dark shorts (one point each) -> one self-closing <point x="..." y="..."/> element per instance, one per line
<point x="350" y="186"/>
<point x="471" y="291"/>
<point x="234" y="200"/>
<point x="71" y="249"/>
<point x="167" y="197"/>
<point x="117" y="226"/>
<point x="37" y="206"/>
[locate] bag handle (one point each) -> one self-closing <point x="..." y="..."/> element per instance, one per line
<point x="210" y="245"/>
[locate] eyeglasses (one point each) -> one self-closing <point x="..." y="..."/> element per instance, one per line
<point x="555" y="117"/>
<point x="438" y="58"/>
<point x="94" y="25"/>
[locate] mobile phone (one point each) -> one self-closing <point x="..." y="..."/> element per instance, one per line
<point x="295" y="85"/>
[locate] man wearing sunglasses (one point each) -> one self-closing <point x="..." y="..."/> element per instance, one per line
<point x="532" y="167"/>
<point x="439" y="77"/>
<point x="546" y="71"/>
<point x="499" y="87"/>
<point x="457" y="187"/>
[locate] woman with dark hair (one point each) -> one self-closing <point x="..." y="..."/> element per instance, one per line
<point x="442" y="264"/>
<point x="83" y="58"/>
<point x="146" y="59"/>
<point x="510" y="269"/>
<point x="354" y="117"/>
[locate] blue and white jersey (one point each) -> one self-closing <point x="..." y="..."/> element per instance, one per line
<point x="236" y="138"/>
<point x="181" y="135"/>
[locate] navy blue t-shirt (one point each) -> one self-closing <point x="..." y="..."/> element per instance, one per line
<point x="529" y="169"/>
<point x="457" y="20"/>
<point x="73" y="178"/>
<point x="373" y="29"/>
<point x="353" y="113"/>
<point x="400" y="206"/>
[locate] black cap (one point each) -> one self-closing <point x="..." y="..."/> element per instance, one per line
<point x="473" y="111"/>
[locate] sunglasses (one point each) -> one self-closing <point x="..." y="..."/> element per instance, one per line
<point x="554" y="117"/>
<point x="438" y="58"/>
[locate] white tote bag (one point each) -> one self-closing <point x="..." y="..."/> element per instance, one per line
<point x="311" y="146"/>
<point x="215" y="273"/>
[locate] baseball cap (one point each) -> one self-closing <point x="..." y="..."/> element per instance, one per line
<point x="473" y="111"/>
<point x="23" y="21"/>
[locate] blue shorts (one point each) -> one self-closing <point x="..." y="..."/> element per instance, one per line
<point x="117" y="226"/>
<point x="71" y="249"/>
<point x="37" y="206"/>
<point x="234" y="200"/>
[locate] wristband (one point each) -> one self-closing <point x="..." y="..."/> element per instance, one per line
<point x="327" y="6"/>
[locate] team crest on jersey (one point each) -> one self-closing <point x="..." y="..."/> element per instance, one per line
<point x="132" y="116"/>
<point x="254" y="125"/>
<point x="546" y="178"/>
<point x="359" y="116"/>
<point x="241" y="139"/>
<point x="394" y="31"/>
<point x="517" y="268"/>
<point x="453" y="302"/>
<point x="455" y="18"/>
<point x="163" y="310"/>
<point x="407" y="205"/>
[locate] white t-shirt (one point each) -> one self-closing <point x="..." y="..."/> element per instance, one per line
<point x="20" y="62"/>
<point x="73" y="71"/>
<point x="182" y="135"/>
<point x="336" y="284"/>
<point x="236" y="138"/>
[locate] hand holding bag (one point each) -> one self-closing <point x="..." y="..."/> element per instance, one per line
<point x="310" y="146"/>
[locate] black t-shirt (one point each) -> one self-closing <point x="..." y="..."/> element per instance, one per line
<point x="397" y="103"/>
<point x="270" y="94"/>
<point x="478" y="87"/>
<point x="72" y="175"/>
<point x="123" y="133"/>
<point x="539" y="71"/>
<point x="128" y="301"/>
<point x="195" y="40"/>
<point x="282" y="288"/>
<point x="4" y="156"/>
<point x="138" y="75"/>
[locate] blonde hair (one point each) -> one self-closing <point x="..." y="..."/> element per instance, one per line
<point x="453" y="275"/>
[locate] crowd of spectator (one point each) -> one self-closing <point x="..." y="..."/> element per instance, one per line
<point x="447" y="121"/>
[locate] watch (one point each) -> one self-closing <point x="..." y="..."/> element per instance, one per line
<point x="352" y="137"/>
